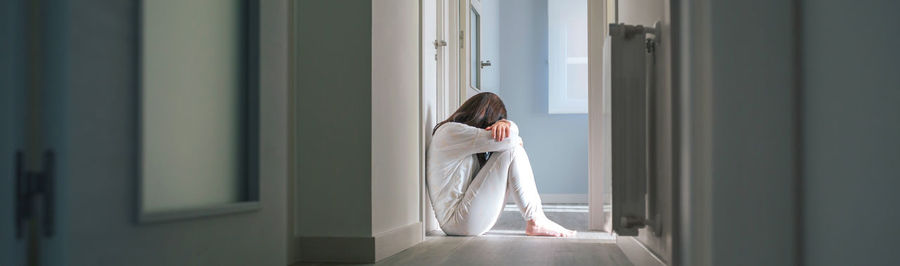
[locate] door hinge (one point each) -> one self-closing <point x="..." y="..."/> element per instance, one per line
<point x="462" y="38"/>
<point x="29" y="187"/>
<point x="439" y="43"/>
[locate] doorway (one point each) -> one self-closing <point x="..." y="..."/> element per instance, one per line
<point x="543" y="81"/>
<point x="502" y="47"/>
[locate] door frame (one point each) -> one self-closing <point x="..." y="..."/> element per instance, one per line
<point x="456" y="95"/>
<point x="597" y="15"/>
<point x="450" y="92"/>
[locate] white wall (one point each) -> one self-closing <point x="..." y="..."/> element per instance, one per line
<point x="802" y="98"/>
<point x="357" y="124"/>
<point x="753" y="128"/>
<point x="395" y="114"/>
<point x="332" y="105"/>
<point x="357" y="186"/>
<point x="851" y="125"/>
<point x="641" y="12"/>
<point x="740" y="131"/>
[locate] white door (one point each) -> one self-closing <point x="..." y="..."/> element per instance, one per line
<point x="12" y="129"/>
<point x="432" y="44"/>
<point x="167" y="128"/>
<point x="471" y="60"/>
<point x="444" y="40"/>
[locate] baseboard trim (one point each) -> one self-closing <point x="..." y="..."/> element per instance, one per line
<point x="359" y="249"/>
<point x="637" y="253"/>
<point x="336" y="249"/>
<point x="397" y="240"/>
<point x="560" y="199"/>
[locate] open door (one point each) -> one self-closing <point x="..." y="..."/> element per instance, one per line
<point x="153" y="145"/>
<point x="471" y="57"/>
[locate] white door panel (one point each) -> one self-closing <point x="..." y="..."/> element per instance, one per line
<point x="470" y="64"/>
<point x="12" y="126"/>
<point x="92" y="120"/>
<point x="445" y="38"/>
<point x="432" y="44"/>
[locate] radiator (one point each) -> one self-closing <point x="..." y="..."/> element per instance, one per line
<point x="631" y="93"/>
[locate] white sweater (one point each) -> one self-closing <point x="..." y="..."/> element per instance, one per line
<point x="452" y="163"/>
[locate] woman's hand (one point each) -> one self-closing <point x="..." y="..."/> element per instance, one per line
<point x="499" y="130"/>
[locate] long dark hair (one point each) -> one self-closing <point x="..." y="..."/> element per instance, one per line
<point x="481" y="111"/>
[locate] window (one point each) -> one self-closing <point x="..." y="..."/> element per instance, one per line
<point x="567" y="56"/>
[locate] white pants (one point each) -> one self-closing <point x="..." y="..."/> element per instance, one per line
<point x="506" y="172"/>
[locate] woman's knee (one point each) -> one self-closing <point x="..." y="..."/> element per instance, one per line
<point x="468" y="225"/>
<point x="510" y="153"/>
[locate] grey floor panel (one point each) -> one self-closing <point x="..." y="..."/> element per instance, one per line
<point x="506" y="244"/>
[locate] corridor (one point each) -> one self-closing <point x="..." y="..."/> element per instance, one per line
<point x="298" y="132"/>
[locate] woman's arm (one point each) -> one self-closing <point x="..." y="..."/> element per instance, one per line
<point x="466" y="140"/>
<point x="500" y="129"/>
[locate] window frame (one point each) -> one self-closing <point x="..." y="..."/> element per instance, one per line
<point x="558" y="100"/>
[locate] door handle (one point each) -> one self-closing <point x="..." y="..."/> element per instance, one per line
<point x="439" y="43"/>
<point x="21" y="195"/>
<point x="30" y="185"/>
<point x="485" y="63"/>
<point x="48" y="189"/>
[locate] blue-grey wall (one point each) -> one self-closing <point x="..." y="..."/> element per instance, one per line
<point x="557" y="144"/>
<point x="851" y="121"/>
<point x="334" y="60"/>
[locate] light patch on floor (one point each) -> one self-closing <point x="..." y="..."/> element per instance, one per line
<point x="600" y="237"/>
<point x="571" y="216"/>
<point x="552" y="208"/>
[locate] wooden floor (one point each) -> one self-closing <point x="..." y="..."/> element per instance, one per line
<point x="507" y="250"/>
<point x="506" y="244"/>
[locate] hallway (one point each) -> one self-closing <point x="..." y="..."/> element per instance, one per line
<point x="298" y="132"/>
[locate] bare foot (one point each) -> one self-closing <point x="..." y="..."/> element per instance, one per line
<point x="545" y="227"/>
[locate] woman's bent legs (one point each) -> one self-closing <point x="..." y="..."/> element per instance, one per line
<point x="478" y="210"/>
<point x="522" y="188"/>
